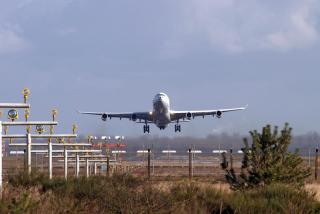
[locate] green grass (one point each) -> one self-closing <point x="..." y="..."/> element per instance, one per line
<point x="127" y="194"/>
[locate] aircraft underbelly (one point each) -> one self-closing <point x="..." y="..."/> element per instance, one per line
<point x="162" y="115"/>
<point x="162" y="120"/>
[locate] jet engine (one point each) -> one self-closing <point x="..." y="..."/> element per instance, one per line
<point x="188" y="115"/>
<point x="134" y="117"/>
<point x="104" y="117"/>
<point x="219" y="113"/>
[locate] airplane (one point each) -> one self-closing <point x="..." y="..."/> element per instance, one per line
<point x="162" y="115"/>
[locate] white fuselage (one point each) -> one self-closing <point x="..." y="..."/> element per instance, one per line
<point x="161" y="110"/>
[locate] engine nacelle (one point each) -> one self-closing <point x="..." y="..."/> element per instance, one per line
<point x="219" y="114"/>
<point x="104" y="117"/>
<point x="188" y="115"/>
<point x="134" y="117"/>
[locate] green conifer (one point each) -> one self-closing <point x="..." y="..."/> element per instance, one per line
<point x="267" y="160"/>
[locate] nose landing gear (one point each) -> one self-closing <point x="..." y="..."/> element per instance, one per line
<point x="146" y="128"/>
<point x="177" y="128"/>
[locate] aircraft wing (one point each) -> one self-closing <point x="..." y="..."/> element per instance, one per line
<point x="127" y="115"/>
<point x="177" y="115"/>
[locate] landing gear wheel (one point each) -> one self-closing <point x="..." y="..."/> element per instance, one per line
<point x="146" y="128"/>
<point x="177" y="128"/>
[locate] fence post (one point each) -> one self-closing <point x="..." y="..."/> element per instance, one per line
<point x="231" y="160"/>
<point x="309" y="157"/>
<point x="29" y="153"/>
<point x="0" y="160"/>
<point x="65" y="163"/>
<point x="190" y="164"/>
<point x="77" y="165"/>
<point x="149" y="165"/>
<point x="87" y="167"/>
<point x="108" y="165"/>
<point x="24" y="160"/>
<point x="316" y="165"/>
<point x="50" y="159"/>
<point x="95" y="168"/>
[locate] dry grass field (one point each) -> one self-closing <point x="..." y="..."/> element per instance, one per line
<point x="129" y="194"/>
<point x="129" y="190"/>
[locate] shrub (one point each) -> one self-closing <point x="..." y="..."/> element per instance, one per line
<point x="26" y="180"/>
<point x="274" y="198"/>
<point x="267" y="161"/>
<point x="127" y="194"/>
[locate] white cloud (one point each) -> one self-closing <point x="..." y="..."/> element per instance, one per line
<point x="237" y="26"/>
<point x="11" y="41"/>
<point x="300" y="31"/>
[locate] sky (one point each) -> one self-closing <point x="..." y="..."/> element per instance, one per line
<point x="103" y="55"/>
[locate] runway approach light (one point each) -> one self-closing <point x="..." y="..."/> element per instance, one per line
<point x="119" y="137"/>
<point x="54" y="114"/>
<point x="13" y="115"/>
<point x="169" y="151"/>
<point x="26" y="92"/>
<point x="26" y="114"/>
<point x="119" y="152"/>
<point x="219" y="151"/>
<point x="142" y="151"/>
<point x="40" y="129"/>
<point x="105" y="138"/>
<point x="16" y="152"/>
<point x="196" y="151"/>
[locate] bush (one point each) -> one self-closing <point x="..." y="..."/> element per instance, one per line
<point x="26" y="180"/>
<point x="274" y="198"/>
<point x="267" y="160"/>
<point x="127" y="194"/>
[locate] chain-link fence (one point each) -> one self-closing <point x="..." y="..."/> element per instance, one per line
<point x="160" y="163"/>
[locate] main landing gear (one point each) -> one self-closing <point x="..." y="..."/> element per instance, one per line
<point x="177" y="128"/>
<point x="146" y="128"/>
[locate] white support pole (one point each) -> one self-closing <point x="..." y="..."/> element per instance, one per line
<point x="95" y="168"/>
<point x="65" y="163"/>
<point x="28" y="153"/>
<point x="41" y="136"/>
<point x="14" y="105"/>
<point x="50" y="159"/>
<point x="87" y="167"/>
<point x="0" y="159"/>
<point x="77" y="165"/>
<point x="29" y="123"/>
